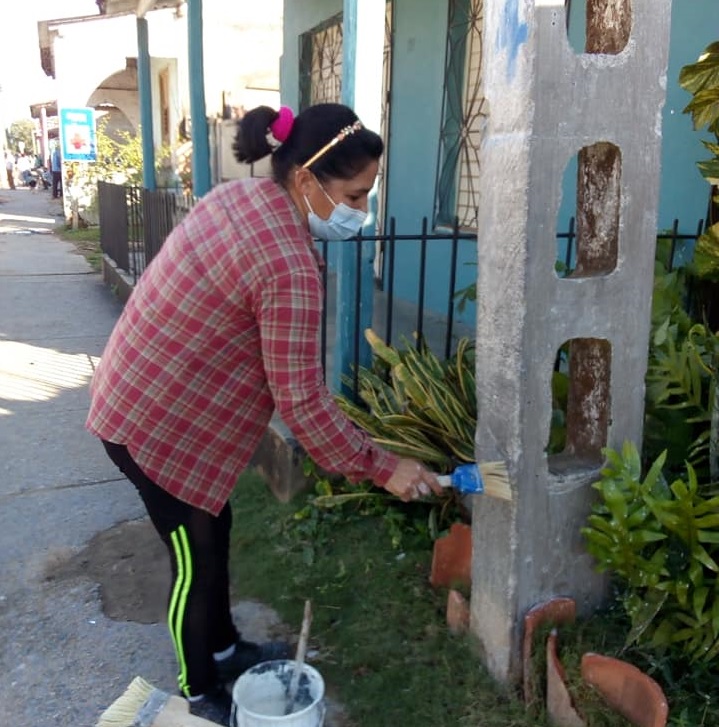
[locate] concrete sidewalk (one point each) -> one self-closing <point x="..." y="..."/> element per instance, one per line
<point x="62" y="660"/>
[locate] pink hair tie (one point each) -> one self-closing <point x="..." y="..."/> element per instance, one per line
<point x="281" y="127"/>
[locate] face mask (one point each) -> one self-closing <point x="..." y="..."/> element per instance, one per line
<point x="344" y="221"/>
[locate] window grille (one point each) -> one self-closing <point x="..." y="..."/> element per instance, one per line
<point x="385" y="115"/>
<point x="462" y="118"/>
<point x="321" y="63"/>
<point x="321" y="82"/>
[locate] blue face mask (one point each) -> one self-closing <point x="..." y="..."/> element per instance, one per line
<point x="344" y="221"/>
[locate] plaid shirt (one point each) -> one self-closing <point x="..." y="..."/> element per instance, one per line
<point x="221" y="329"/>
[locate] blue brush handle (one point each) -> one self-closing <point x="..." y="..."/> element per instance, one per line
<point x="467" y="479"/>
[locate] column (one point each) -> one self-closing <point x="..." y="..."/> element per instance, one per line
<point x="548" y="105"/>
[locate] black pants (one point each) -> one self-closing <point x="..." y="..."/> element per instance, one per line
<point x="56" y="184"/>
<point x="198" y="613"/>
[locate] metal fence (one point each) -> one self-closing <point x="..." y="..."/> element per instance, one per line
<point x="134" y="223"/>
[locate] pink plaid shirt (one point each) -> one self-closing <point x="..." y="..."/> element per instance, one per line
<point x="221" y="329"/>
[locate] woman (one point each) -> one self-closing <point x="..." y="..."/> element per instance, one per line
<point x="222" y="329"/>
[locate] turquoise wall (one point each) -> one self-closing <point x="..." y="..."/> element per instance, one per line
<point x="684" y="193"/>
<point x="417" y="87"/>
<point x="298" y="18"/>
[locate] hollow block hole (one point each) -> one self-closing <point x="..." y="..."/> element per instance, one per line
<point x="580" y="403"/>
<point x="599" y="26"/>
<point x="592" y="248"/>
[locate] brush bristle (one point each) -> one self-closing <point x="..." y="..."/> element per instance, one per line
<point x="496" y="480"/>
<point x="122" y="712"/>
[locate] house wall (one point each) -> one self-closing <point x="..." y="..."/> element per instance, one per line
<point x="684" y="193"/>
<point x="417" y="81"/>
<point x="105" y="46"/>
<point x="418" y="60"/>
<point x="298" y="19"/>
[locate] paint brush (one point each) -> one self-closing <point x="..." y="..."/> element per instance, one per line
<point x="299" y="659"/>
<point x="488" y="478"/>
<point x="142" y="704"/>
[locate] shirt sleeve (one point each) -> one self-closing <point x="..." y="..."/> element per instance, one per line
<point x="289" y="316"/>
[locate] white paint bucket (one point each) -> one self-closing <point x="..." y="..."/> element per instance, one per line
<point x="259" y="697"/>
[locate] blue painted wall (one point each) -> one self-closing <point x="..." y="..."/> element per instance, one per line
<point x="684" y="193"/>
<point x="298" y="18"/>
<point x="417" y="86"/>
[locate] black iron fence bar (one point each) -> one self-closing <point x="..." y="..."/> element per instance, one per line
<point x="357" y="319"/>
<point x="569" y="237"/>
<point x="421" y="282"/>
<point x="136" y="232"/>
<point x="113" y="223"/>
<point x="388" y="241"/>
<point x="427" y="236"/>
<point x="452" y="288"/>
<point x="390" y="282"/>
<point x="134" y="227"/>
<point x="673" y="235"/>
<point x="323" y="326"/>
<point x="676" y="236"/>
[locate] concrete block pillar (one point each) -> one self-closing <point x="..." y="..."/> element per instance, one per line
<point x="548" y="106"/>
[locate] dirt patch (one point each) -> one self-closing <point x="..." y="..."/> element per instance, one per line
<point x="132" y="567"/>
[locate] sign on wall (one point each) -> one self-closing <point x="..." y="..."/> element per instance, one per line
<point x="78" y="135"/>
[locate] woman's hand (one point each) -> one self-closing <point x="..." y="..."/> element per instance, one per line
<point x="411" y="480"/>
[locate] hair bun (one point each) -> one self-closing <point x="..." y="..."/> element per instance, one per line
<point x="281" y="127"/>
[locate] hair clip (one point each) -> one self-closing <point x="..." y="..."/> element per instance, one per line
<point x="341" y="135"/>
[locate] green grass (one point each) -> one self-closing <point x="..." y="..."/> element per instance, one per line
<point x="86" y="241"/>
<point x="384" y="648"/>
<point x="379" y="627"/>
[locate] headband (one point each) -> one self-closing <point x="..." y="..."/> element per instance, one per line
<point x="281" y="127"/>
<point x="343" y="134"/>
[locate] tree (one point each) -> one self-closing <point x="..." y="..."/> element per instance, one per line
<point x="120" y="156"/>
<point x="21" y="135"/>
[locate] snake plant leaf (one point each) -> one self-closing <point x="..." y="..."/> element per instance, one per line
<point x="381" y="349"/>
<point x="337" y="500"/>
<point x="422" y="453"/>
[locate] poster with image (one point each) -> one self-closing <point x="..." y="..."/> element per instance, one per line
<point x="78" y="135"/>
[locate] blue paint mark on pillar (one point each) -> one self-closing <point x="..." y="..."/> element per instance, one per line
<point x="347" y="259"/>
<point x="511" y="35"/>
<point x="201" y="178"/>
<point x="145" y="88"/>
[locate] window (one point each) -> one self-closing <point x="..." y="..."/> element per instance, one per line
<point x="463" y="109"/>
<point x="321" y="63"/>
<point x="321" y="82"/>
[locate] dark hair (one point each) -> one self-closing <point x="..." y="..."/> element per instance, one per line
<point x="311" y="130"/>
